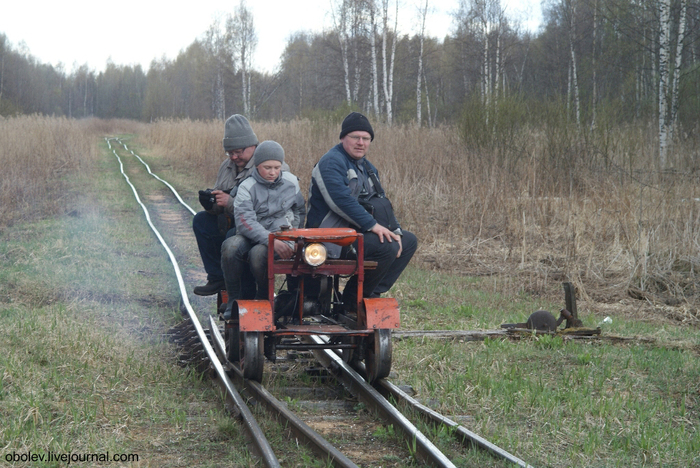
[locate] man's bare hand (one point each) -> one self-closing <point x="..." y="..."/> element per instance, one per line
<point x="283" y="249"/>
<point x="383" y="233"/>
<point x="222" y="198"/>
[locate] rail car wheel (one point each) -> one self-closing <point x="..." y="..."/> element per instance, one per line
<point x="233" y="343"/>
<point x="378" y="358"/>
<point x="351" y="355"/>
<point x="253" y="357"/>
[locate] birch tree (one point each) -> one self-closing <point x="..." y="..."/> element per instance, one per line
<point x="423" y="15"/>
<point x="664" y="48"/>
<point x="573" y="75"/>
<point x="388" y="73"/>
<point x="373" y="42"/>
<point x="677" y="68"/>
<point x="242" y="40"/>
<point x="594" y="91"/>
<point x="341" y="26"/>
<point x="214" y="44"/>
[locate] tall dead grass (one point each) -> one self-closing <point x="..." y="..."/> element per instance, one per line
<point x="549" y="208"/>
<point x="556" y="208"/>
<point x="38" y="155"/>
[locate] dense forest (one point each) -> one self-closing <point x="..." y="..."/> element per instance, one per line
<point x="592" y="62"/>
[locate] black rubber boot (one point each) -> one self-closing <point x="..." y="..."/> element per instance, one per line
<point x="209" y="289"/>
<point x="228" y="313"/>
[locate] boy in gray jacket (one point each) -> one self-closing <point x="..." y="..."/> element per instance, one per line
<point x="266" y="201"/>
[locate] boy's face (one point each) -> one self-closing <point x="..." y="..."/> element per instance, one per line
<point x="269" y="170"/>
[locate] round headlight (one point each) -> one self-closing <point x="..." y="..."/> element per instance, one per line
<point x="314" y="254"/>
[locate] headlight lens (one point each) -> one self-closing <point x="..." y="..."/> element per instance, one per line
<point x="314" y="254"/>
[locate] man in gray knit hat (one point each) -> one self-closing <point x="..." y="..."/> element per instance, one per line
<point x="213" y="225"/>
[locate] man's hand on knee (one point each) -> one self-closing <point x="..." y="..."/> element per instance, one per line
<point x="383" y="233"/>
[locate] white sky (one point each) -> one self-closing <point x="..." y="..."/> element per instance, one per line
<point x="130" y="32"/>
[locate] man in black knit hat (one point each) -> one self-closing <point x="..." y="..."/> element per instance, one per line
<point x="341" y="180"/>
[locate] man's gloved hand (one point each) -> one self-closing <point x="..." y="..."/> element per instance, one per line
<point x="207" y="199"/>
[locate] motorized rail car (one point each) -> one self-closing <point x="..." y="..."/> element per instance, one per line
<point x="313" y="306"/>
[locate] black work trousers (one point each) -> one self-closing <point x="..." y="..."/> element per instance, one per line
<point x="389" y="267"/>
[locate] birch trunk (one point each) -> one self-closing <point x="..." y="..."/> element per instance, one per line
<point x="387" y="78"/>
<point x="341" y="29"/>
<point x="431" y="120"/>
<point x="677" y="69"/>
<point x="244" y="89"/>
<point x="85" y="95"/>
<point x="574" y="77"/>
<point x="419" y="99"/>
<point x="594" y="91"/>
<point x="2" y="73"/>
<point x="375" y="73"/>
<point x="219" y="103"/>
<point x="346" y="70"/>
<point x="390" y="96"/>
<point x="486" y="75"/>
<point x="664" y="43"/>
<point x="497" y="79"/>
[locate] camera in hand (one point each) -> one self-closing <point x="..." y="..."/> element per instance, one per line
<point x="207" y="199"/>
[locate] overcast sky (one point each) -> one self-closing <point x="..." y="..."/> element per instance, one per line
<point x="130" y="32"/>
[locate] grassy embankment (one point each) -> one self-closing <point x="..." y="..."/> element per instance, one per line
<point x="551" y="402"/>
<point x="85" y="297"/>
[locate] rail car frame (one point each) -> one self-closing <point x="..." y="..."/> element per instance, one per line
<point x="256" y="328"/>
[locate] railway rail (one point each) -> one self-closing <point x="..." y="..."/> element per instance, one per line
<point x="206" y="350"/>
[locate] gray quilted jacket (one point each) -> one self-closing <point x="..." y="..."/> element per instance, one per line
<point x="261" y="207"/>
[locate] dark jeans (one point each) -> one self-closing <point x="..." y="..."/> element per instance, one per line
<point x="209" y="241"/>
<point x="389" y="268"/>
<point x="241" y="261"/>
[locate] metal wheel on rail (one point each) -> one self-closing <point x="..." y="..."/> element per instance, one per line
<point x="351" y="355"/>
<point x="253" y="357"/>
<point x="378" y="357"/>
<point x="233" y="343"/>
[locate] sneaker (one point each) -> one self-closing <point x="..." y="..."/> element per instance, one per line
<point x="209" y="289"/>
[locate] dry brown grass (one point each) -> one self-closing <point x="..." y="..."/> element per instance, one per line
<point x="39" y="154"/>
<point x="546" y="213"/>
<point x="593" y="212"/>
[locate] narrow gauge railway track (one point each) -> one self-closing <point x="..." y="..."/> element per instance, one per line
<point x="206" y="350"/>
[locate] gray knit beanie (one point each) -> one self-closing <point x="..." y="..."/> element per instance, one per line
<point x="268" y="150"/>
<point x="238" y="133"/>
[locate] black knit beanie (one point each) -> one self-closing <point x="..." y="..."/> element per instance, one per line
<point x="238" y="134"/>
<point x="356" y="122"/>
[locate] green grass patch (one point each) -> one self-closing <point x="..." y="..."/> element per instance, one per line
<point x="549" y="401"/>
<point x="85" y="301"/>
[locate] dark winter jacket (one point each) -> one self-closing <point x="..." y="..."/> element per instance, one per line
<point x="337" y="181"/>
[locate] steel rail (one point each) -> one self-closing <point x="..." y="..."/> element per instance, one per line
<point x="320" y="446"/>
<point x="465" y="435"/>
<point x="256" y="434"/>
<point x="357" y="385"/>
<point x="172" y="189"/>
<point x="314" y="440"/>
